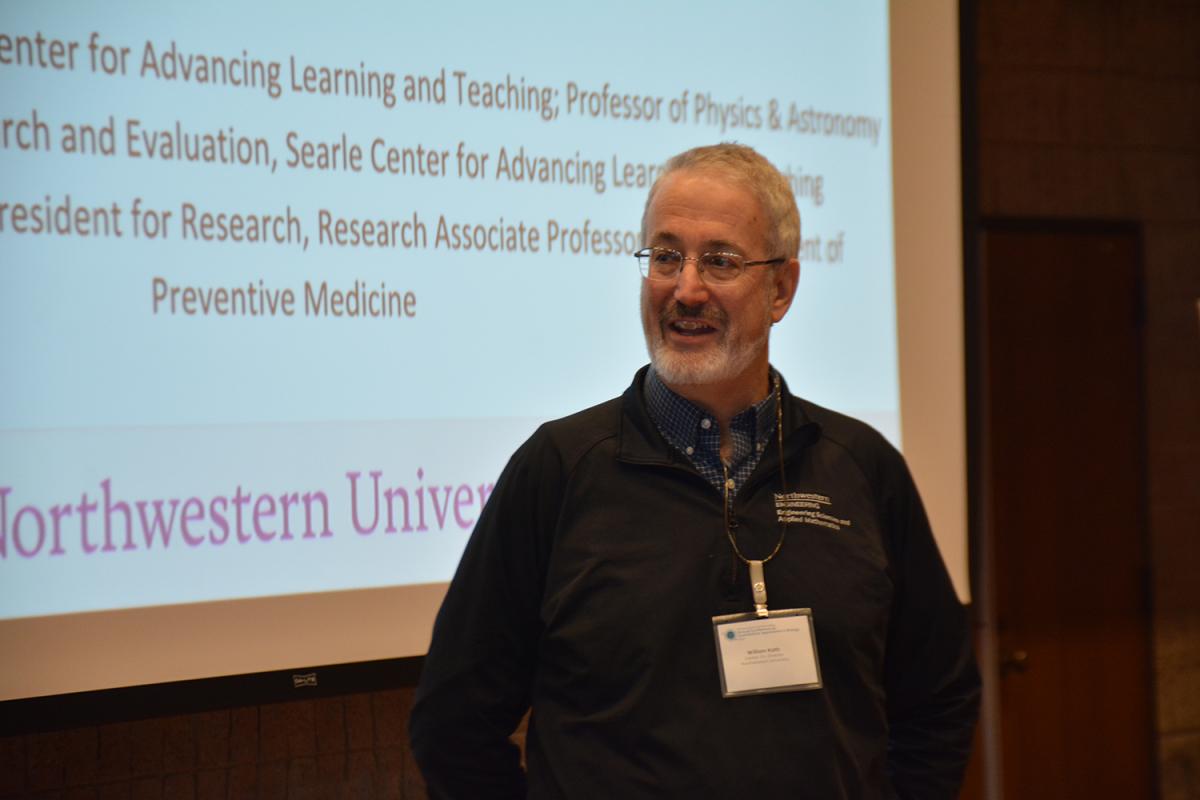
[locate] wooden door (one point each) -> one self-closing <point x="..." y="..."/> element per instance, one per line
<point x="1063" y="470"/>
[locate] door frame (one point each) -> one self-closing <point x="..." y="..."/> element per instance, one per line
<point x="988" y="772"/>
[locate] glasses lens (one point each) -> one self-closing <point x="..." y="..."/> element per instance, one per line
<point x="660" y="263"/>
<point x="721" y="267"/>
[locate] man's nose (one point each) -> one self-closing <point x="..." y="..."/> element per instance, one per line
<point x="690" y="288"/>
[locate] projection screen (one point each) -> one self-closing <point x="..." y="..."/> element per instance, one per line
<point x="283" y="286"/>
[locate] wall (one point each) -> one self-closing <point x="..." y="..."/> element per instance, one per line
<point x="353" y="746"/>
<point x="1092" y="110"/>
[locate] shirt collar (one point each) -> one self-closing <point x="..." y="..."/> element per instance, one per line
<point x="681" y="421"/>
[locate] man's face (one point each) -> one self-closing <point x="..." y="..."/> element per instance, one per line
<point x="698" y="333"/>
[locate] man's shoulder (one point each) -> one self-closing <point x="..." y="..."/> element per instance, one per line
<point x="595" y="419"/>
<point x="862" y="442"/>
<point x="576" y="434"/>
<point x="842" y="428"/>
<point x="854" y="449"/>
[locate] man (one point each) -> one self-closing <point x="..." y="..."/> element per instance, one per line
<point x="597" y="585"/>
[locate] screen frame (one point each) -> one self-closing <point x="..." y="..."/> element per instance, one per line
<point x="187" y="645"/>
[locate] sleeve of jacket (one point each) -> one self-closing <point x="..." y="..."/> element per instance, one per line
<point x="476" y="679"/>
<point x="930" y="677"/>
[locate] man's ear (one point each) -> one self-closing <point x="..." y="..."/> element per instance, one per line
<point x="786" y="277"/>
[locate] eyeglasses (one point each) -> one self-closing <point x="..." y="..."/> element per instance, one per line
<point x="663" y="264"/>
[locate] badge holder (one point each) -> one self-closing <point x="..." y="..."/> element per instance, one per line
<point x="763" y="651"/>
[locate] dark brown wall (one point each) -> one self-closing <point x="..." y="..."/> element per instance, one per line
<point x="341" y="747"/>
<point x="1091" y="110"/>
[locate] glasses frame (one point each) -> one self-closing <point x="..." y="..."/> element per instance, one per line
<point x="643" y="258"/>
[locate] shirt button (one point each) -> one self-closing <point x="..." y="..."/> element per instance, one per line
<point x="706" y="423"/>
<point x="729" y="484"/>
<point x="689" y="450"/>
<point x="761" y="445"/>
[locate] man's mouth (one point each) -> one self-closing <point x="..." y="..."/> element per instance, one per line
<point x="690" y="327"/>
<point x="692" y="322"/>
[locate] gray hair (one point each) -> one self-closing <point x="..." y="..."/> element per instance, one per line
<point x="745" y="166"/>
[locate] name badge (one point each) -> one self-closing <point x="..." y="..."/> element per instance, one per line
<point x="761" y="654"/>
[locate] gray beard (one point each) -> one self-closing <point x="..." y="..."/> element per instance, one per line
<point x="691" y="369"/>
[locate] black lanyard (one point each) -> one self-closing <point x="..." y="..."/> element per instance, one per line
<point x="758" y="581"/>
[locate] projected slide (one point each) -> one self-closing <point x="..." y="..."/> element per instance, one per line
<point x="283" y="286"/>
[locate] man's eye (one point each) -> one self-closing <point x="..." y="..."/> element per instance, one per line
<point x="720" y="261"/>
<point x="666" y="257"/>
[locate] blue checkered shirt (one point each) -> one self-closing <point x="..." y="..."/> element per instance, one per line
<point x="696" y="433"/>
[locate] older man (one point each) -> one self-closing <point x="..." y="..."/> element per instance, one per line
<point x="706" y="587"/>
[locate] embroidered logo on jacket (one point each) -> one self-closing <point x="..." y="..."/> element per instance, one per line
<point x="807" y="508"/>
